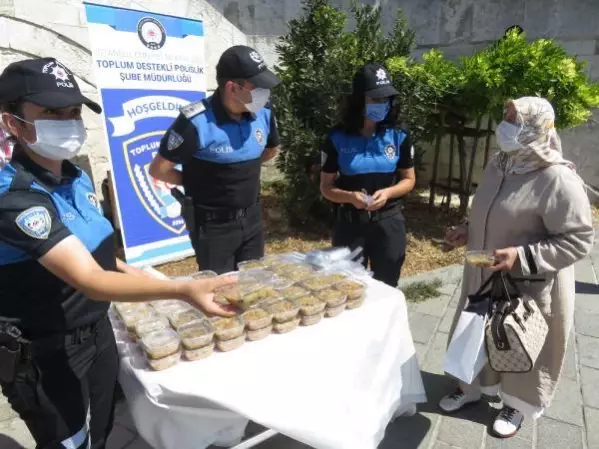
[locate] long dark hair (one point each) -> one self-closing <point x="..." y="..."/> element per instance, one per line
<point x="352" y="114"/>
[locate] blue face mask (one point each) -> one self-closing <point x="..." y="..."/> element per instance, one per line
<point x="377" y="111"/>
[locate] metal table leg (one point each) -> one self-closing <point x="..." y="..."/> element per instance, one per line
<point x="254" y="441"/>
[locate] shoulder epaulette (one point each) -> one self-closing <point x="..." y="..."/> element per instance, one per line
<point x="193" y="109"/>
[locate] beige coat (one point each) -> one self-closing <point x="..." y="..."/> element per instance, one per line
<point x="548" y="211"/>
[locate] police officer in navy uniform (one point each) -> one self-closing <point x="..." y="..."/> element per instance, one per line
<point x="58" y="270"/>
<point x="367" y="166"/>
<point x="221" y="143"/>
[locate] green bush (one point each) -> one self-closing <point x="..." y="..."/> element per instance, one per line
<point x="318" y="58"/>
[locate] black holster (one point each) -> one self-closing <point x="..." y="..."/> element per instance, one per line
<point x="14" y="350"/>
<point x="188" y="209"/>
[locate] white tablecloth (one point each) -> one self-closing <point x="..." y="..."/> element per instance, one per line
<point x="333" y="385"/>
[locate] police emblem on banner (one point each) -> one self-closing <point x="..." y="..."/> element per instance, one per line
<point x="154" y="195"/>
<point x="173" y="141"/>
<point x="151" y="33"/>
<point x="390" y="152"/>
<point x="260" y="136"/>
<point x="35" y="222"/>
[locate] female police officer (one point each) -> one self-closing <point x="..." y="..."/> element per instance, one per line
<point x="58" y="270"/>
<point x="367" y="165"/>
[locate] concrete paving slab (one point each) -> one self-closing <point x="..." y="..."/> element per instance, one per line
<point x="558" y="435"/>
<point x="423" y="327"/>
<point x="588" y="351"/>
<point x="567" y="403"/>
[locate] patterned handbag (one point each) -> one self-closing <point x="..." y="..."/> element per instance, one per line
<point x="516" y="331"/>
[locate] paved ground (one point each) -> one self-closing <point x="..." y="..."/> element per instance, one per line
<point x="571" y="423"/>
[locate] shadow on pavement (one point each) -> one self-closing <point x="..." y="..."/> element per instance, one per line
<point x="7" y="442"/>
<point x="587" y="288"/>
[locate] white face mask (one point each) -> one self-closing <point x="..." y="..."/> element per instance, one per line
<point x="58" y="139"/>
<point x="507" y="137"/>
<point x="260" y="98"/>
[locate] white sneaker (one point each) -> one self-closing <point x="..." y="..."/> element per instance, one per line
<point x="507" y="423"/>
<point x="457" y="400"/>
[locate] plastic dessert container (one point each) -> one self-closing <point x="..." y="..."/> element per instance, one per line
<point x="287" y="326"/>
<point x="160" y="344"/>
<point x="294" y="292"/>
<point x="165" y="362"/>
<point x="229" y="345"/>
<point x="196" y="334"/>
<point x="250" y="265"/>
<point x="179" y="319"/>
<point x="298" y="273"/>
<point x="352" y="288"/>
<point x="227" y="328"/>
<point x="257" y="318"/>
<point x="355" y="303"/>
<point x="309" y="320"/>
<point x="283" y="310"/>
<point x="259" y="334"/>
<point x="199" y="353"/>
<point x="131" y="318"/>
<point x="310" y="305"/>
<point x="205" y="274"/>
<point x="480" y="259"/>
<point x="149" y="325"/>
<point x="331" y="312"/>
<point x="332" y="297"/>
<point x="320" y="282"/>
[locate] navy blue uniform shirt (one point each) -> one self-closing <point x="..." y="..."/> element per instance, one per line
<point x="221" y="157"/>
<point x="37" y="211"/>
<point x="364" y="163"/>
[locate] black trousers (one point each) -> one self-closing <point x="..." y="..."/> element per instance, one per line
<point x="384" y="244"/>
<point x="66" y="393"/>
<point x="221" y="244"/>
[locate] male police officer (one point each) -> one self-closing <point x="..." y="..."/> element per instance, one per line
<point x="221" y="143"/>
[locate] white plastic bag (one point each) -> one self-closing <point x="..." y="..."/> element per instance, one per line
<point x="466" y="355"/>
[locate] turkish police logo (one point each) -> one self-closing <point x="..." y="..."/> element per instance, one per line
<point x="173" y="141"/>
<point x="151" y="33"/>
<point x="35" y="222"/>
<point x="256" y="57"/>
<point x="154" y="195"/>
<point x="93" y="200"/>
<point x="260" y="136"/>
<point x="390" y="152"/>
<point x="60" y="73"/>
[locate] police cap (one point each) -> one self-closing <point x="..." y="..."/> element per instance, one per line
<point x="44" y="82"/>
<point x="241" y="62"/>
<point x="373" y="80"/>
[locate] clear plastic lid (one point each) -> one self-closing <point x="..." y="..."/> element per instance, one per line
<point x="164" y="362"/>
<point x="310" y="305"/>
<point x="283" y="310"/>
<point x="247" y="295"/>
<point x="206" y="274"/>
<point x="271" y="260"/>
<point x="257" y="318"/>
<point x="350" y="286"/>
<point x="480" y="259"/>
<point x="332" y="297"/>
<point x="150" y="325"/>
<point x="187" y="316"/>
<point x="298" y="274"/>
<point x="160" y="344"/>
<point x="169" y="306"/>
<point x="227" y="328"/>
<point x="250" y="265"/>
<point x="319" y="282"/>
<point x="293" y="292"/>
<point x="231" y="344"/>
<point x="256" y="275"/>
<point x="196" y="334"/>
<point x="131" y="318"/>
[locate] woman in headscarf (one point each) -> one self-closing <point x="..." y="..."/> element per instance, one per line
<point x="531" y="208"/>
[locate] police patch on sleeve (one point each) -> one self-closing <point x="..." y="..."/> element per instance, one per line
<point x="173" y="141"/>
<point x="193" y="109"/>
<point x="259" y="136"/>
<point x="412" y="152"/>
<point x="390" y="152"/>
<point x="93" y="200"/>
<point x="35" y="222"/>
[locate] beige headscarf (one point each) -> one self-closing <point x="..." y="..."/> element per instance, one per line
<point x="542" y="145"/>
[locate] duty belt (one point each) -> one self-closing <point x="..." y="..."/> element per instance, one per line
<point x="204" y="215"/>
<point x="352" y="215"/>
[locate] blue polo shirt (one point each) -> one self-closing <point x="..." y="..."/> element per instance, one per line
<point x="221" y="157"/>
<point x="367" y="163"/>
<point x="37" y="211"/>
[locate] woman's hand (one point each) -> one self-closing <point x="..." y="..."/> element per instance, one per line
<point x="456" y="236"/>
<point x="379" y="199"/>
<point x="200" y="293"/>
<point x="358" y="200"/>
<point x="505" y="259"/>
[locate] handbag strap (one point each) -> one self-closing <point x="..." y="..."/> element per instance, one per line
<point x="481" y="294"/>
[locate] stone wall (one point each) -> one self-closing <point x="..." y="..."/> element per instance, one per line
<point x="30" y="28"/>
